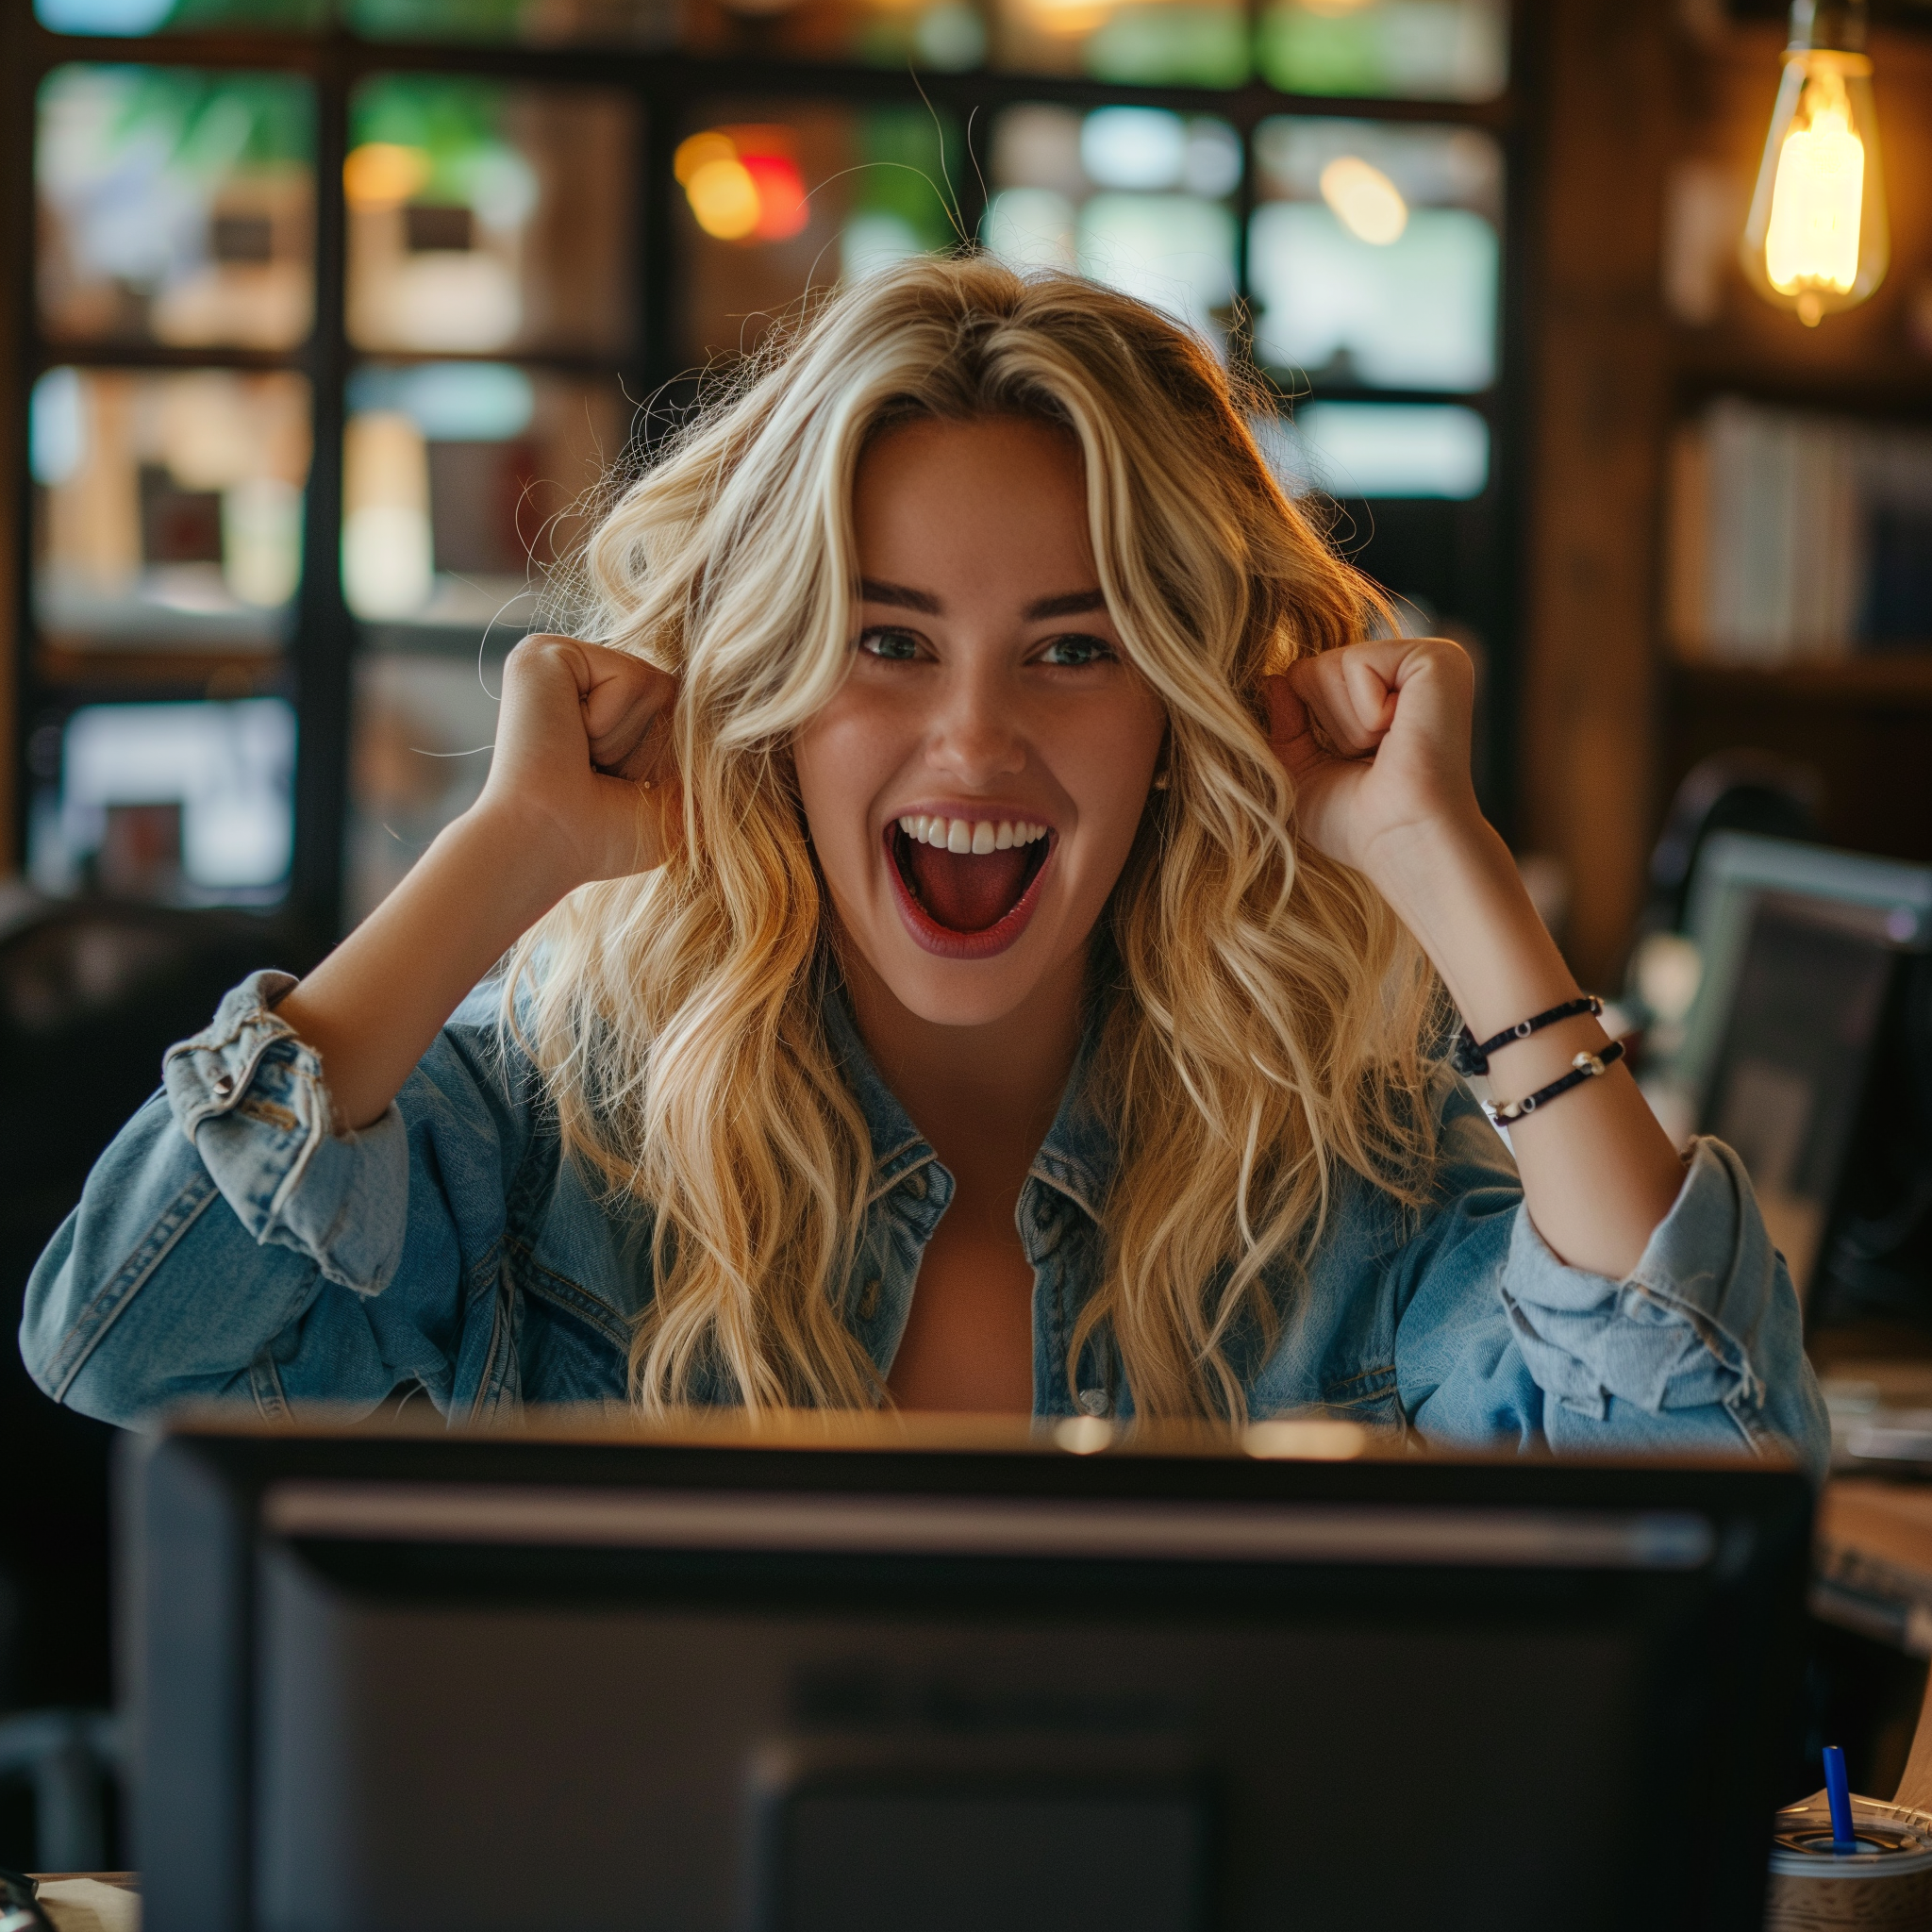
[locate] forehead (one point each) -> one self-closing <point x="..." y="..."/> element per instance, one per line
<point x="1003" y="496"/>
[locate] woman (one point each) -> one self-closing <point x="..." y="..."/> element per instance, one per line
<point x="984" y="856"/>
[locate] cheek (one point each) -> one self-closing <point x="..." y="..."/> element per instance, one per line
<point x="841" y="762"/>
<point x="1111" y="785"/>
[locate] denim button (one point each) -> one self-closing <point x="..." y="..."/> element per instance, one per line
<point x="223" y="1085"/>
<point x="868" y="1301"/>
<point x="915" y="1184"/>
<point x="1093" y="1402"/>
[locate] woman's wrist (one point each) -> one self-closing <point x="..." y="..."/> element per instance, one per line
<point x="1453" y="883"/>
<point x="523" y="860"/>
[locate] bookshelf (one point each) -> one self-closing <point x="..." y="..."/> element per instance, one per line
<point x="1858" y="710"/>
<point x="1656" y="125"/>
<point x="1892" y="680"/>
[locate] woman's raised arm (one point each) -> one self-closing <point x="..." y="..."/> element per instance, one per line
<point x="578" y="791"/>
<point x="1384" y="786"/>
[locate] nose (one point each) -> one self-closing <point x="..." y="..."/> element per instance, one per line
<point x="974" y="737"/>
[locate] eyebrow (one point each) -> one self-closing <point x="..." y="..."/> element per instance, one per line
<point x="1068" y="604"/>
<point x="875" y="591"/>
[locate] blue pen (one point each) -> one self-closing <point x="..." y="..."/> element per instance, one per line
<point x="1837" y="1793"/>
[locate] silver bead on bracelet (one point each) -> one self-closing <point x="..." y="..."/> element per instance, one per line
<point x="1586" y="1066"/>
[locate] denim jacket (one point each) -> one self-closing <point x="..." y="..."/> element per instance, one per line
<point x="229" y="1243"/>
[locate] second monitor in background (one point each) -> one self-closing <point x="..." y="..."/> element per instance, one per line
<point x="1809" y="1050"/>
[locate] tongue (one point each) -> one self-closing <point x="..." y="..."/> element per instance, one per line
<point x="969" y="891"/>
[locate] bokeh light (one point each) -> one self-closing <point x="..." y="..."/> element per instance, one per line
<point x="742" y="183"/>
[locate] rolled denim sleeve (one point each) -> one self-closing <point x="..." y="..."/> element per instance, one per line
<point x="250" y="1097"/>
<point x="229" y="1245"/>
<point x="1700" y="1348"/>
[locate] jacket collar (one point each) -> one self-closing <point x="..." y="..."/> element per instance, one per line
<point x="1076" y="1158"/>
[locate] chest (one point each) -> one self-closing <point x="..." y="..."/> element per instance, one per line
<point x="968" y="1340"/>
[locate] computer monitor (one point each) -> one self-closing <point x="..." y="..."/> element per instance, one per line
<point x="1805" y="955"/>
<point x="858" y="1676"/>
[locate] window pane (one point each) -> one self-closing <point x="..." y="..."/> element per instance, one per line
<point x="461" y="483"/>
<point x="132" y="17"/>
<point x="167" y="509"/>
<point x="1373" y="257"/>
<point x="1382" y="449"/>
<point x="190" y="804"/>
<point x="485" y="217"/>
<point x="1437" y="50"/>
<point x="1149" y="43"/>
<point x="945" y="35"/>
<point x="609" y="22"/>
<point x="1138" y="197"/>
<point x="175" y="206"/>
<point x="782" y="196"/>
<point x="424" y="725"/>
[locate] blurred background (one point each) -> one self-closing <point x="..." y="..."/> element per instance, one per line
<point x="328" y="318"/>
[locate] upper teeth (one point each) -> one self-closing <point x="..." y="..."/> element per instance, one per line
<point x="970" y="834"/>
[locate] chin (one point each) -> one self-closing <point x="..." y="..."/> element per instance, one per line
<point x="978" y="994"/>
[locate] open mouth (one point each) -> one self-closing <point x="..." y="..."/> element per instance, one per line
<point x="967" y="888"/>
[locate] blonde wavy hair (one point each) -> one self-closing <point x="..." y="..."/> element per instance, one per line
<point x="1264" y="1021"/>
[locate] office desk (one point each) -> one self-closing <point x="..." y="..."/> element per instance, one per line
<point x="1874" y="1560"/>
<point x="91" y="1901"/>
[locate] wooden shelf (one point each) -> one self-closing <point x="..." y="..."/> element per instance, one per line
<point x="1902" y="677"/>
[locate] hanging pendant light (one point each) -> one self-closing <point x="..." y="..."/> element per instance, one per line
<point x="1816" y="238"/>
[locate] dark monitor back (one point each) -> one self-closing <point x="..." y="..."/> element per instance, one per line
<point x="502" y="1682"/>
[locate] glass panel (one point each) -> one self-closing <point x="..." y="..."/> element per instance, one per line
<point x="134" y="17"/>
<point x="462" y="482"/>
<point x="1373" y="256"/>
<point x="1381" y="449"/>
<point x="1138" y="197"/>
<point x="190" y="803"/>
<point x="1435" y="50"/>
<point x="167" y="509"/>
<point x="946" y="34"/>
<point x="175" y="206"/>
<point x="1147" y="42"/>
<point x="609" y="23"/>
<point x="424" y="726"/>
<point x="782" y="196"/>
<point x="485" y="217"/>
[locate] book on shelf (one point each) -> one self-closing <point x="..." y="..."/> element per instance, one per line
<point x="1796" y="537"/>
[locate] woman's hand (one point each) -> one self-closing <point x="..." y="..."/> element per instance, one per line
<point x="581" y="775"/>
<point x="1376" y="739"/>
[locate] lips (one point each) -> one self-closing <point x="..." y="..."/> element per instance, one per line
<point x="965" y="904"/>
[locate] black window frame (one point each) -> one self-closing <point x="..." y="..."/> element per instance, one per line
<point x="1484" y="533"/>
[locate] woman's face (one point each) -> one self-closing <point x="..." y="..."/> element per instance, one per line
<point x="974" y="788"/>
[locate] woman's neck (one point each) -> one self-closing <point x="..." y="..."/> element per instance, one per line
<point x="984" y="1097"/>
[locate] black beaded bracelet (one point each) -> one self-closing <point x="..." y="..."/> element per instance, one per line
<point x="1468" y="1058"/>
<point x="1586" y="1066"/>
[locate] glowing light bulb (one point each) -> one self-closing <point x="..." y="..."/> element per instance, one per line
<point x="1816" y="238"/>
<point x="1364" y="200"/>
<point x="1815" y="202"/>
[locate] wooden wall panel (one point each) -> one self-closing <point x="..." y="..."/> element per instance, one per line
<point x="1599" y="401"/>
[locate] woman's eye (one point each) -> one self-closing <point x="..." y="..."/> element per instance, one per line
<point x="1078" y="650"/>
<point x="898" y="645"/>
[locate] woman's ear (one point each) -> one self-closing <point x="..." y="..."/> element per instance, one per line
<point x="1164" y="763"/>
